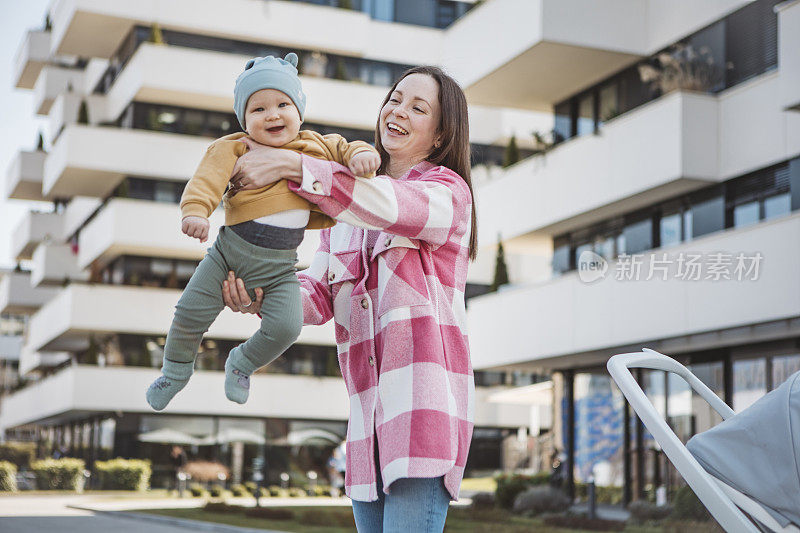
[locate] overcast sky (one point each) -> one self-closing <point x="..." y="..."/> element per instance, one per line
<point x="19" y="126"/>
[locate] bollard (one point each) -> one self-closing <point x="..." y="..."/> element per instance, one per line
<point x="592" y="500"/>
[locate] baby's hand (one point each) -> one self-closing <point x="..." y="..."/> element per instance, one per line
<point x="195" y="227"/>
<point x="364" y="163"/>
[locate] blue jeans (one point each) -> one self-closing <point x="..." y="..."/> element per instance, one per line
<point x="416" y="505"/>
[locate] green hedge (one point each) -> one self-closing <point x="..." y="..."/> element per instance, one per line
<point x="63" y="474"/>
<point x="8" y="477"/>
<point x="18" y="453"/>
<point x="610" y="495"/>
<point x="510" y="485"/>
<point x="123" y="474"/>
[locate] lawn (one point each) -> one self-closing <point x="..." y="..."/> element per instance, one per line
<point x="340" y="520"/>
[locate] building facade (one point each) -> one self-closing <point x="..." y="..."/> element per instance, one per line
<point x="133" y="94"/>
<point x="669" y="198"/>
<point x="655" y="204"/>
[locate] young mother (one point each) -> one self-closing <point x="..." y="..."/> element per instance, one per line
<point x="392" y="274"/>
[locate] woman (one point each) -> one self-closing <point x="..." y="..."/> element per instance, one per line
<point x="392" y="275"/>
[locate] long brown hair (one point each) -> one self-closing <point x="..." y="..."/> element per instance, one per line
<point x="454" y="151"/>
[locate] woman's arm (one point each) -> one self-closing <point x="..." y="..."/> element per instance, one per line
<point x="431" y="207"/>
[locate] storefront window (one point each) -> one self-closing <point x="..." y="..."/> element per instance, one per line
<point x="749" y="382"/>
<point x="783" y="367"/>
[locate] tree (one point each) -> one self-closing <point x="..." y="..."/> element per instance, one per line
<point x="500" y="268"/>
<point x="156" y="36"/>
<point x="40" y="142"/>
<point x="512" y="152"/>
<point x="83" y="113"/>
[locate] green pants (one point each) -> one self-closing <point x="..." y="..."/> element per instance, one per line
<point x="201" y="303"/>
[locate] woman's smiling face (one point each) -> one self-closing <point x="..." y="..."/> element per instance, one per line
<point x="409" y="121"/>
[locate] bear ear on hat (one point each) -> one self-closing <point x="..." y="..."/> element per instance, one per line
<point x="250" y="64"/>
<point x="291" y="57"/>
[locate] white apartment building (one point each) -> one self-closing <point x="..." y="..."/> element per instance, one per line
<point x="133" y="93"/>
<point x="670" y="204"/>
<point x="675" y="143"/>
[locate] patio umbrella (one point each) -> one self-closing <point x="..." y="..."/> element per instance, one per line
<point x="233" y="435"/>
<point x="757" y="451"/>
<point x="168" y="436"/>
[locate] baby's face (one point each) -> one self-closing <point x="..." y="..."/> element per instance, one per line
<point x="271" y="118"/>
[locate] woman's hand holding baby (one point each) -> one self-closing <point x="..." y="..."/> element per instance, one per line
<point x="196" y="227"/>
<point x="264" y="165"/>
<point x="364" y="163"/>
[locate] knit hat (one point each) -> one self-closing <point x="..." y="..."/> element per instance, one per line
<point x="268" y="73"/>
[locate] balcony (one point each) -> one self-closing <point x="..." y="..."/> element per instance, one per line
<point x="82" y="388"/>
<point x="66" y="321"/>
<point x="31" y="361"/>
<point x="53" y="264"/>
<point x="53" y="81"/>
<point x="33" y="229"/>
<point x="519" y="60"/>
<point x="157" y="233"/>
<point x="542" y="324"/>
<point x="151" y="76"/>
<point x="78" y="210"/>
<point x="77" y="26"/>
<point x="659" y="150"/>
<point x="30" y="58"/>
<point x="18" y="297"/>
<point x="65" y="111"/>
<point x="24" y="176"/>
<point x="788" y="58"/>
<point x="76" y="167"/>
<point x="10" y="347"/>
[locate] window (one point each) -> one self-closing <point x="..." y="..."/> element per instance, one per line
<point x="778" y="205"/>
<point x="784" y="366"/>
<point x="708" y="216"/>
<point x="586" y="115"/>
<point x="561" y="261"/>
<point x="563" y="121"/>
<point x="749" y="382"/>
<point x="670" y="230"/>
<point x="638" y="236"/>
<point x="609" y="107"/>
<point x="745" y="214"/>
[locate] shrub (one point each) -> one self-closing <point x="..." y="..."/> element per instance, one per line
<point x="318" y="490"/>
<point x="216" y="490"/>
<point x="64" y="474"/>
<point x="687" y="506"/>
<point x="610" y="495"/>
<point x="584" y="522"/>
<point x="21" y="454"/>
<point x="222" y="507"/>
<point x="277" y="492"/>
<point x="198" y="490"/>
<point x="296" y="492"/>
<point x="270" y="513"/>
<point x="643" y="511"/>
<point x="510" y="485"/>
<point x="239" y="490"/>
<point x="483" y="500"/>
<point x="204" y="471"/>
<point x="251" y="486"/>
<point x="123" y="474"/>
<point x="8" y="477"/>
<point x="537" y="500"/>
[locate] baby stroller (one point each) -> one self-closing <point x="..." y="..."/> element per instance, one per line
<point x="726" y="504"/>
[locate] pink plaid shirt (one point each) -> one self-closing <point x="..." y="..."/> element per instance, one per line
<point x="399" y="316"/>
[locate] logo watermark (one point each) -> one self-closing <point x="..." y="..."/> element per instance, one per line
<point x="683" y="266"/>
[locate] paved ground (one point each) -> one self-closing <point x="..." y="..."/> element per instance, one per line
<point x="92" y="514"/>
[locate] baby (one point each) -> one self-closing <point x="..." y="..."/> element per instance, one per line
<point x="262" y="230"/>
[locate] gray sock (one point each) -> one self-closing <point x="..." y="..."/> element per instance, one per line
<point x="237" y="383"/>
<point x="162" y="390"/>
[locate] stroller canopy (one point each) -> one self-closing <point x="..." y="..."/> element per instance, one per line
<point x="757" y="451"/>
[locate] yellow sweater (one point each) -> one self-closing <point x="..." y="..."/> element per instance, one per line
<point x="203" y="192"/>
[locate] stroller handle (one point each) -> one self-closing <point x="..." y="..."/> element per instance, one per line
<point x="729" y="516"/>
